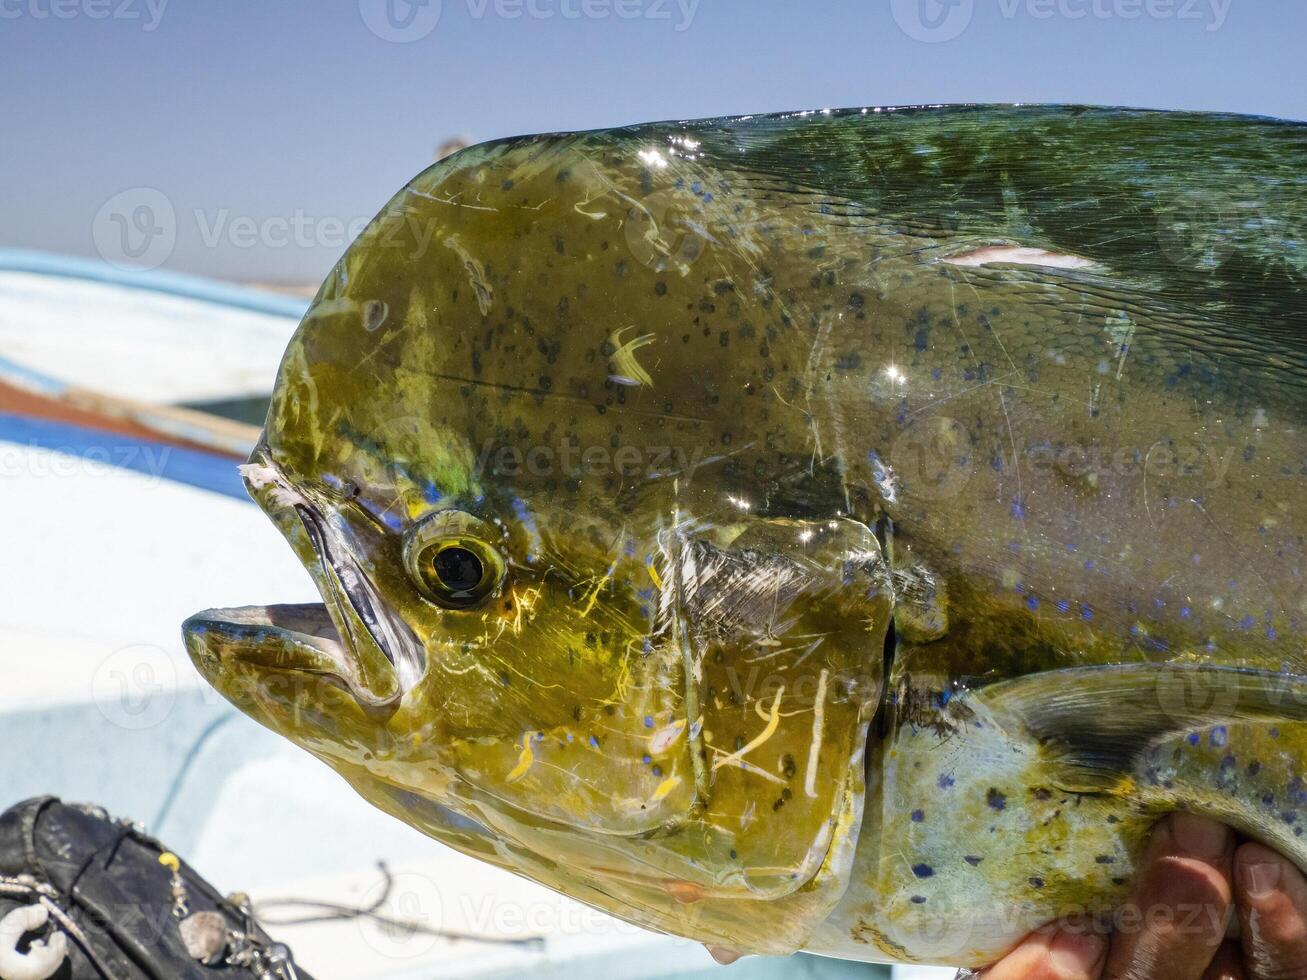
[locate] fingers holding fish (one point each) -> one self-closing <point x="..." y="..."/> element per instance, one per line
<point x="1061" y="954"/>
<point x="1192" y="881"/>
<point x="1171" y="929"/>
<point x="722" y="954"/>
<point x="1176" y="920"/>
<point x="1272" y="897"/>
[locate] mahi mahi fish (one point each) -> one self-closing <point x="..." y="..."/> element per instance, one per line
<point x="846" y="531"/>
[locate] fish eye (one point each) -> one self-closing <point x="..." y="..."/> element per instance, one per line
<point x="458" y="569"/>
<point x="450" y="560"/>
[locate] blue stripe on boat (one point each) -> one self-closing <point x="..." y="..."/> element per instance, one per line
<point x="30" y="380"/>
<point x="176" y="463"/>
<point x="170" y="283"/>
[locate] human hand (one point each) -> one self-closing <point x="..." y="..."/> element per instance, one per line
<point x="1193" y="878"/>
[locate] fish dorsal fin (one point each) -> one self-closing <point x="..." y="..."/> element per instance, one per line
<point x="1093" y="723"/>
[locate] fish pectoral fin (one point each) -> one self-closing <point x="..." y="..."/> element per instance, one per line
<point x="1092" y="724"/>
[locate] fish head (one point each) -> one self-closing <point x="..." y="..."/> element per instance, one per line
<point x="568" y="599"/>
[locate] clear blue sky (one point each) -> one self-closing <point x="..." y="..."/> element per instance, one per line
<point x="296" y="110"/>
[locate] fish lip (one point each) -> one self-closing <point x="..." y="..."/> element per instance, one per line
<point x="304" y="634"/>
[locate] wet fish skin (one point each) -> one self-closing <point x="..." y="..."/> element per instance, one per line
<point x="728" y="397"/>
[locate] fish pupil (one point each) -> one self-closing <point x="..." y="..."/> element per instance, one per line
<point x="458" y="569"/>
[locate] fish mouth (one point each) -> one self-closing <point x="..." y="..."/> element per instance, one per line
<point x="351" y="638"/>
<point x="296" y="638"/>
